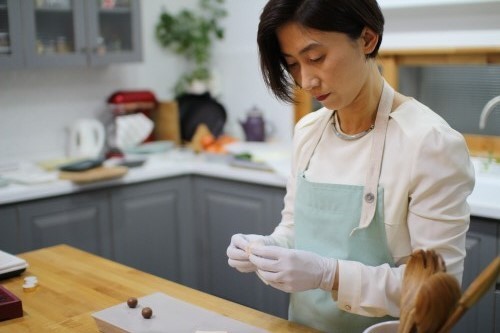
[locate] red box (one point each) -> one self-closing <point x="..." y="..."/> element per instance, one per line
<point x="10" y="306"/>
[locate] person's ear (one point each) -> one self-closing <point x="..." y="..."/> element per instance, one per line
<point x="369" y="40"/>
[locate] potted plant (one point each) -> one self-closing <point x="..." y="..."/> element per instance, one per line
<point x="191" y="33"/>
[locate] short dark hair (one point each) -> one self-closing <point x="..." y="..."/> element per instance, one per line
<point x="345" y="16"/>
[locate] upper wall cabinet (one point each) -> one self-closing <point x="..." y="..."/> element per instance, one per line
<point x="114" y="31"/>
<point x="10" y="34"/>
<point x="59" y="33"/>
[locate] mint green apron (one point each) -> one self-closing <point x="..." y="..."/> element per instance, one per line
<point x="344" y="222"/>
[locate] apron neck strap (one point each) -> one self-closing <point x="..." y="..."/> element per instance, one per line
<point x="378" y="141"/>
<point x="313" y="143"/>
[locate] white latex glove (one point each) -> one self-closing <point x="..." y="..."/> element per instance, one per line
<point x="293" y="270"/>
<point x="238" y="250"/>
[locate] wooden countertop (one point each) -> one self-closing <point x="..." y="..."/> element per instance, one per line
<point x="73" y="284"/>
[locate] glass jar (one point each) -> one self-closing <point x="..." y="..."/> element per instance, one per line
<point x="62" y="45"/>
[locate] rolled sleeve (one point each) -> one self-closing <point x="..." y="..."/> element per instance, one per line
<point x="368" y="291"/>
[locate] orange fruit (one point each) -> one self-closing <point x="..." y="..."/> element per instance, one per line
<point x="207" y="140"/>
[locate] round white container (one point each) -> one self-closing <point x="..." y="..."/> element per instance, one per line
<point x="385" y="327"/>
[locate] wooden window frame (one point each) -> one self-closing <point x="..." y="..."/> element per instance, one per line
<point x="390" y="61"/>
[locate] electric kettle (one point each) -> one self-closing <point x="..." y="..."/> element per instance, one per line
<point x="86" y="138"/>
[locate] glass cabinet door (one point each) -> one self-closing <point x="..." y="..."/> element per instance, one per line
<point x="11" y="55"/>
<point x="55" y="33"/>
<point x="114" y="31"/>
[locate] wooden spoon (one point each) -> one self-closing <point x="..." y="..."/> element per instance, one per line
<point x="421" y="265"/>
<point x="474" y="292"/>
<point x="436" y="301"/>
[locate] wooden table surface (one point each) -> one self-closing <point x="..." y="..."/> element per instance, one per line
<point x="73" y="284"/>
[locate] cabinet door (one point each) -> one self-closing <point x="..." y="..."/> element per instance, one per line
<point x="54" y="33"/>
<point x="79" y="220"/>
<point x="11" y="55"/>
<point x="497" y="309"/>
<point x="114" y="31"/>
<point x="481" y="250"/>
<point x="149" y="226"/>
<point x="9" y="234"/>
<point x="224" y="208"/>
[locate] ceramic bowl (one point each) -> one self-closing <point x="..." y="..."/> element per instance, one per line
<point x="384" y="327"/>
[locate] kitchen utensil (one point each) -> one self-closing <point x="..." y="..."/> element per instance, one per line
<point x="137" y="107"/>
<point x="82" y="165"/>
<point x="86" y="138"/>
<point x="126" y="102"/>
<point x="129" y="161"/>
<point x="167" y="122"/>
<point x="474" y="292"/>
<point x="254" y="126"/>
<point x="421" y="266"/>
<point x="249" y="164"/>
<point x="93" y="175"/>
<point x="169" y="314"/>
<point x="151" y="147"/>
<point x="384" y="327"/>
<point x="197" y="109"/>
<point x="132" y="130"/>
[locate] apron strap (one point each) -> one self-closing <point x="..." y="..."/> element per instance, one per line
<point x="378" y="141"/>
<point x="319" y="130"/>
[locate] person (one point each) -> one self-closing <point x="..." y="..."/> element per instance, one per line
<point x="375" y="174"/>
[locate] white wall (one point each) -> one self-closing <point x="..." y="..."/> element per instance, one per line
<point x="37" y="105"/>
<point x="441" y="23"/>
<point x="237" y="63"/>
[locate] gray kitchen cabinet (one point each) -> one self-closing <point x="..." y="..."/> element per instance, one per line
<point x="497" y="309"/>
<point x="78" y="33"/>
<point x="9" y="231"/>
<point x="153" y="230"/>
<point x="481" y="247"/>
<point x="80" y="220"/>
<point x="224" y="208"/>
<point x="497" y="289"/>
<point x="114" y="34"/>
<point x="11" y="55"/>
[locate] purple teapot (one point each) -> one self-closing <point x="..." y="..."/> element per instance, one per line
<point x="254" y="126"/>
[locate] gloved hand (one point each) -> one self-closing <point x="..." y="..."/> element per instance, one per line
<point x="293" y="270"/>
<point x="238" y="250"/>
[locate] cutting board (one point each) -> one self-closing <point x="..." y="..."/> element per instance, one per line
<point x="170" y="315"/>
<point x="94" y="175"/>
<point x="167" y="122"/>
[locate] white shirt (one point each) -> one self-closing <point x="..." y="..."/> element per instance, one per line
<point x="427" y="176"/>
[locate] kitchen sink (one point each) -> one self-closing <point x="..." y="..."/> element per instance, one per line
<point x="486" y="166"/>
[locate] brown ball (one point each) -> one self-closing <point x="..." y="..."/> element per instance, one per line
<point x="147" y="312"/>
<point x="132" y="302"/>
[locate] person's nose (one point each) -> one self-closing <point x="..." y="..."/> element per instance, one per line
<point x="309" y="81"/>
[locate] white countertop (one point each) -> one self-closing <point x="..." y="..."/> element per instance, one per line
<point x="157" y="166"/>
<point x="484" y="201"/>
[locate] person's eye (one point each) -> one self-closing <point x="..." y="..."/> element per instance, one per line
<point x="316" y="59"/>
<point x="291" y="65"/>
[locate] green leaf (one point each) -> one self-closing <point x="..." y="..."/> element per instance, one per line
<point x="191" y="33"/>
